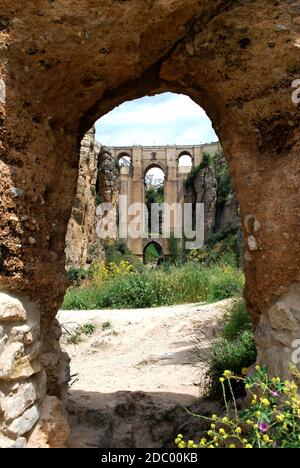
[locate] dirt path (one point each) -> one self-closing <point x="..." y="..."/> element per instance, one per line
<point x="134" y="371"/>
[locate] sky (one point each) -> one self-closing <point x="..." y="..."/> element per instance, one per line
<point x="164" y="119"/>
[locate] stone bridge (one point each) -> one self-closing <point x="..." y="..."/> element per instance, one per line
<point x="166" y="158"/>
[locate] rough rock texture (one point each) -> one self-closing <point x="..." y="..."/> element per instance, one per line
<point x="218" y="215"/>
<point x="98" y="182"/>
<point x="108" y="183"/>
<point x="229" y="219"/>
<point x="21" y="388"/>
<point x="277" y="334"/>
<point x="205" y="191"/>
<point x="52" y="429"/>
<point x="82" y="243"/>
<point x="64" y="64"/>
<point x="108" y="190"/>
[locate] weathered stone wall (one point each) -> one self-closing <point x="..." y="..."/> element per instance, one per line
<point x="23" y="379"/>
<point x="64" y="64"/>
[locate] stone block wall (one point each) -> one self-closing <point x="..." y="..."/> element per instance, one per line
<point x="24" y="403"/>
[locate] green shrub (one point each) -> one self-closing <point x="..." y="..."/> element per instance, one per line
<point x="170" y="284"/>
<point x="88" y="329"/>
<point x="225" y="282"/>
<point x="177" y="255"/>
<point x="238" y="321"/>
<point x="77" y="274"/>
<point x="235" y="349"/>
<point x="155" y="194"/>
<point x="221" y="247"/>
<point x="237" y="355"/>
<point x="207" y="161"/>
<point x="136" y="291"/>
<point x="75" y="338"/>
<point x="106" y="326"/>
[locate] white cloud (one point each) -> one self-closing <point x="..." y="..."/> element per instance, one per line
<point x="163" y="119"/>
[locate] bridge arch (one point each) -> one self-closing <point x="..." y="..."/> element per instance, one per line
<point x="185" y="159"/>
<point x="155" y="165"/>
<point x="158" y="247"/>
<point x="124" y="159"/>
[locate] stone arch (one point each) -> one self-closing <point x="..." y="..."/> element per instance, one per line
<point x="166" y="46"/>
<point x="155" y="165"/>
<point x="185" y="153"/>
<point x="185" y="160"/>
<point x="124" y="154"/>
<point x="157" y="244"/>
<point x="124" y="159"/>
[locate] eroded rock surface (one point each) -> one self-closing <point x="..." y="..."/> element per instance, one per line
<point x="82" y="243"/>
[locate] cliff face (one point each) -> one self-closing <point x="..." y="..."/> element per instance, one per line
<point x="212" y="186"/>
<point x="108" y="177"/>
<point x="82" y="244"/>
<point x="98" y="182"/>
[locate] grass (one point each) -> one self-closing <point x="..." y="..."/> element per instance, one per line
<point x="106" y="326"/>
<point x="168" y="285"/>
<point x="234" y="350"/>
<point x="76" y="337"/>
<point x="238" y="320"/>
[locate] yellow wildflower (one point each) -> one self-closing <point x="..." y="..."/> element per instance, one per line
<point x="265" y="402"/>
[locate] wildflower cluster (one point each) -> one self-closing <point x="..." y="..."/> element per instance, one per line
<point x="272" y="419"/>
<point x="103" y="272"/>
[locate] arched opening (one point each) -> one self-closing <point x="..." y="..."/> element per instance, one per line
<point x="154" y="196"/>
<point x="185" y="161"/>
<point x="153" y="254"/>
<point x="124" y="160"/>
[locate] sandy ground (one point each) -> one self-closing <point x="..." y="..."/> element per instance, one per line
<point x="143" y="361"/>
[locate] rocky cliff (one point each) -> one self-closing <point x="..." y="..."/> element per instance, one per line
<point x="98" y="182"/>
<point x="82" y="244"/>
<point x="211" y="185"/>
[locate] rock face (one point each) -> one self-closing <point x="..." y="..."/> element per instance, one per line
<point x="52" y="430"/>
<point x="277" y="334"/>
<point x="108" y="177"/>
<point x="229" y="216"/>
<point x="65" y="64"/>
<point x="219" y="214"/>
<point x="20" y="368"/>
<point x="82" y="243"/>
<point x="98" y="183"/>
<point x="204" y="191"/>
